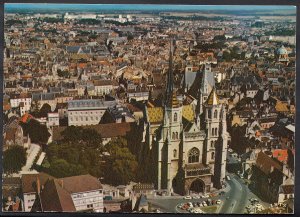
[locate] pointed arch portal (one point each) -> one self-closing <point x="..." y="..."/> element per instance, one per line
<point x="197" y="186"/>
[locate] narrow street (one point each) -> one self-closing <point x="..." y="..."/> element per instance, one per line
<point x="236" y="199"/>
<point x="31" y="155"/>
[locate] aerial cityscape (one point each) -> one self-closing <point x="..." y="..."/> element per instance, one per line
<point x="149" y="108"/>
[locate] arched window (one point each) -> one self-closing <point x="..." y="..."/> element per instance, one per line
<point x="212" y="144"/>
<point x="174" y="153"/>
<point x="212" y="131"/>
<point x="212" y="155"/>
<point x="216" y="114"/>
<point x="216" y="131"/>
<point x="173" y="135"/>
<point x="175" y="116"/>
<point x="209" y="113"/>
<point x="194" y="154"/>
<point x="176" y="135"/>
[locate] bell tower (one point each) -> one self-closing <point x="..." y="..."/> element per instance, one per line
<point x="212" y="109"/>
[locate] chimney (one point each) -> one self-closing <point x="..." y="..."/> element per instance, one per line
<point x="38" y="185"/>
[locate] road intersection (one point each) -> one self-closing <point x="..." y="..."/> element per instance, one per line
<point x="235" y="199"/>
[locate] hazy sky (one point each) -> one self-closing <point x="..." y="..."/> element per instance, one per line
<point x="44" y="6"/>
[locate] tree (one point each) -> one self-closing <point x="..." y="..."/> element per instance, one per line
<point x="130" y="37"/>
<point x="121" y="165"/>
<point x="63" y="74"/>
<point x="61" y="168"/>
<point x="219" y="38"/>
<point x="46" y="108"/>
<point x="14" y="159"/>
<point x="81" y="147"/>
<point x="38" y="132"/>
<point x="35" y="108"/>
<point x="88" y="137"/>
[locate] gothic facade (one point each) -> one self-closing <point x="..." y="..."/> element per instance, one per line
<point x="190" y="142"/>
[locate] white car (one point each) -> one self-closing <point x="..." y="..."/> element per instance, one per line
<point x="187" y="197"/>
<point x="191" y="209"/>
<point x="196" y="197"/>
<point x="218" y="202"/>
<point x="258" y="205"/>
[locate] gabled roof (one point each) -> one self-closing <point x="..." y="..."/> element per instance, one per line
<point x="29" y="181"/>
<point x="56" y="194"/>
<point x="188" y="112"/>
<point x="110" y="130"/>
<point x="155" y="114"/>
<point x="281" y="154"/>
<point x="56" y="198"/>
<point x="266" y="164"/>
<point x="82" y="183"/>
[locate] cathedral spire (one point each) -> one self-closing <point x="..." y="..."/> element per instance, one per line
<point x="170" y="81"/>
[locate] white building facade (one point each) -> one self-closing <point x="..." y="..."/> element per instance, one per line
<point x="87" y="112"/>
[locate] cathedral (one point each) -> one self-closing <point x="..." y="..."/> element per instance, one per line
<point x="188" y="140"/>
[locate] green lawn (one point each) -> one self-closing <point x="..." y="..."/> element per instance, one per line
<point x="209" y="209"/>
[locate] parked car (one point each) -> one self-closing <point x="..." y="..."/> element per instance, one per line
<point x="190" y="204"/>
<point x="222" y="193"/>
<point x="218" y="202"/>
<point x="187" y="197"/>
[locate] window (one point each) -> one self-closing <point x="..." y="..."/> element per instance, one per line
<point x="174" y="153"/>
<point x="209" y="113"/>
<point x="212" y="131"/>
<point x="175" y="116"/>
<point x="216" y="131"/>
<point x="216" y="114"/>
<point x="90" y="206"/>
<point x="176" y="135"/>
<point x="173" y="135"/>
<point x="212" y="144"/>
<point x="194" y="155"/>
<point x="212" y="155"/>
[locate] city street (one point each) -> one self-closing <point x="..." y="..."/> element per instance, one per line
<point x="234" y="201"/>
<point x="236" y="198"/>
